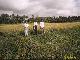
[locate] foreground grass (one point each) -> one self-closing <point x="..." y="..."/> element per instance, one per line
<point x="61" y="41"/>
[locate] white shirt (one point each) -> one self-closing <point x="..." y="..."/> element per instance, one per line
<point x="26" y="25"/>
<point x="35" y="23"/>
<point x="41" y="24"/>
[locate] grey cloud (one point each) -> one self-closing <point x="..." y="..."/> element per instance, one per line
<point x="41" y="7"/>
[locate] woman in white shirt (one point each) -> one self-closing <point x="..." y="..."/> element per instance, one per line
<point x="26" y="27"/>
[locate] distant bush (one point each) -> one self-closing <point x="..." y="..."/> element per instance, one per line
<point x="14" y="19"/>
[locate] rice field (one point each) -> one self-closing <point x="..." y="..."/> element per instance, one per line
<point x="61" y="41"/>
<point x="57" y="26"/>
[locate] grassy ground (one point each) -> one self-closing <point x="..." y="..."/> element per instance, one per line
<point x="61" y="41"/>
<point x="19" y="27"/>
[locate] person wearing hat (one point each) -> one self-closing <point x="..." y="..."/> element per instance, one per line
<point x="42" y="25"/>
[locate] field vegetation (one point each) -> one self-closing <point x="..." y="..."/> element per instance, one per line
<point x="61" y="41"/>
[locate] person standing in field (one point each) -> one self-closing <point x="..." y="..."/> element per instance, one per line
<point x="35" y="26"/>
<point x="26" y="27"/>
<point x="42" y="25"/>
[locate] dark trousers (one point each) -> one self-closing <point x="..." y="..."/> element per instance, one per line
<point x="35" y="29"/>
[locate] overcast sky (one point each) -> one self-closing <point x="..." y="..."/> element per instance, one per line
<point x="41" y="7"/>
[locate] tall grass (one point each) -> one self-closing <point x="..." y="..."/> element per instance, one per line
<point x="19" y="27"/>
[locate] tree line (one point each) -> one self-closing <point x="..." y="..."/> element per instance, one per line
<point x="14" y="19"/>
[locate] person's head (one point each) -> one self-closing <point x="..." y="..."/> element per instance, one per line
<point x="35" y="19"/>
<point x="25" y="21"/>
<point x="42" y="19"/>
<point x="32" y="16"/>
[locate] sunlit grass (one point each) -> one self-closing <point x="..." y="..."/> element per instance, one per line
<point x="57" y="26"/>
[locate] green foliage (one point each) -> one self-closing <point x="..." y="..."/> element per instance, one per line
<point x="14" y="19"/>
<point x="53" y="44"/>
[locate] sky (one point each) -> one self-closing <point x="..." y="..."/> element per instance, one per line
<point x="41" y="7"/>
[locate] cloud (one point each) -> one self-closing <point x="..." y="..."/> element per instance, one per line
<point x="6" y="12"/>
<point x="41" y="7"/>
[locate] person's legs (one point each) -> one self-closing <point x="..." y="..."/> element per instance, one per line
<point x="26" y="32"/>
<point x="35" y="29"/>
<point x="42" y="30"/>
